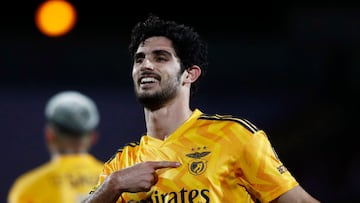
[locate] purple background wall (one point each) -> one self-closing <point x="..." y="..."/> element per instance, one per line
<point x="290" y="68"/>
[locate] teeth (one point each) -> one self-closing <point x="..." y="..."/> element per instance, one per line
<point x="147" y="80"/>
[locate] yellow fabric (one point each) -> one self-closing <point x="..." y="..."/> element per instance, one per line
<point x="65" y="179"/>
<point x="223" y="159"/>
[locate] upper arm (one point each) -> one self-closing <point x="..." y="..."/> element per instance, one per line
<point x="295" y="195"/>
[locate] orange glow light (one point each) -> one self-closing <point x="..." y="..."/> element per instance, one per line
<point x="55" y="18"/>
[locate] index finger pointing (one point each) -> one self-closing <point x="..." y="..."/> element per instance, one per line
<point x="165" y="164"/>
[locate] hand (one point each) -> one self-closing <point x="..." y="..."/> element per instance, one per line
<point x="142" y="176"/>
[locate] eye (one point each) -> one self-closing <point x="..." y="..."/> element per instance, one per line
<point x="139" y="60"/>
<point x="139" y="57"/>
<point x="161" y="58"/>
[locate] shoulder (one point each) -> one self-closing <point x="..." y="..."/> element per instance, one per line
<point x="36" y="173"/>
<point x="26" y="181"/>
<point x="240" y="122"/>
<point x="129" y="147"/>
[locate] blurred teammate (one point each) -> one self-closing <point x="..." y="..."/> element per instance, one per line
<point x="70" y="131"/>
<point x="187" y="155"/>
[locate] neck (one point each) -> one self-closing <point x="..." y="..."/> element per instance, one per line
<point x="57" y="153"/>
<point x="162" y="122"/>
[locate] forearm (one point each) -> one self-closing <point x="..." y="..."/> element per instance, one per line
<point x="296" y="195"/>
<point x="108" y="192"/>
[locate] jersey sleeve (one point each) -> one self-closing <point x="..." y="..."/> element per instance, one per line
<point x="110" y="166"/>
<point x="264" y="175"/>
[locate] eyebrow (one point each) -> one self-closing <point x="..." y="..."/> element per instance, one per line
<point x="161" y="51"/>
<point x="154" y="52"/>
<point x="139" y="55"/>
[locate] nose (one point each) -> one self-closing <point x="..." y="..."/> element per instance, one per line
<point x="147" y="64"/>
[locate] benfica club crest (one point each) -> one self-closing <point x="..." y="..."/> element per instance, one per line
<point x="198" y="165"/>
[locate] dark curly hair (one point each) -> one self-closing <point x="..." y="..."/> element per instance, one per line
<point x="187" y="43"/>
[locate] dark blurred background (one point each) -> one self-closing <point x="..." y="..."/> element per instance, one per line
<point x="291" y="68"/>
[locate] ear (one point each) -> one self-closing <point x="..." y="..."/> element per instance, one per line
<point x="192" y="74"/>
<point x="49" y="134"/>
<point x="94" y="137"/>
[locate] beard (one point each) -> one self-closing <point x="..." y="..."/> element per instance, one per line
<point x="156" y="100"/>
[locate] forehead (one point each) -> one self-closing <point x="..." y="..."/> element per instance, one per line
<point x="156" y="43"/>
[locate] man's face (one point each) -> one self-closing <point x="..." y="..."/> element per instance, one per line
<point x="156" y="72"/>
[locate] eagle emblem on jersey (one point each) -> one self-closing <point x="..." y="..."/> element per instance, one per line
<point x="198" y="165"/>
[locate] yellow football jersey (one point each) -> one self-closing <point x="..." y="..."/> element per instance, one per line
<point x="65" y="179"/>
<point x="224" y="159"/>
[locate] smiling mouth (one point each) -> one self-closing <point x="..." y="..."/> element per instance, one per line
<point x="147" y="80"/>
